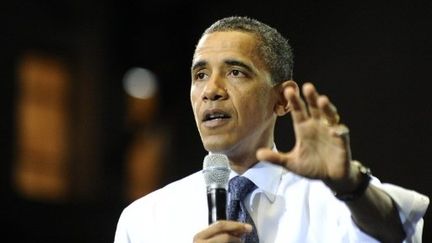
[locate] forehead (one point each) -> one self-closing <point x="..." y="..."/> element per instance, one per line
<point x="233" y="44"/>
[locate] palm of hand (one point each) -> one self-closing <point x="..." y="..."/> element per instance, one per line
<point x="318" y="152"/>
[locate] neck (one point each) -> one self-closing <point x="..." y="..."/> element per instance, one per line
<point x="241" y="162"/>
<point x="242" y="156"/>
<point x="241" y="165"/>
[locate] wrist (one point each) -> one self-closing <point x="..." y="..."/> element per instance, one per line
<point x="356" y="185"/>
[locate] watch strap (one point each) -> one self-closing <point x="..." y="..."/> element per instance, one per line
<point x="365" y="178"/>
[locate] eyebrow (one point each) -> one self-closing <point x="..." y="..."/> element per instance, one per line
<point x="229" y="62"/>
<point x="232" y="62"/>
<point x="199" y="64"/>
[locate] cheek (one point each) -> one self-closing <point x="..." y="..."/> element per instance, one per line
<point x="257" y="107"/>
<point x="192" y="93"/>
<point x="251" y="108"/>
<point x="194" y="98"/>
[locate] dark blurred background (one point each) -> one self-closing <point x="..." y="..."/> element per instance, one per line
<point x="78" y="145"/>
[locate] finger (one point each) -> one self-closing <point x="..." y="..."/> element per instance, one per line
<point x="298" y="112"/>
<point x="342" y="132"/>
<point x="328" y="110"/>
<point x="284" y="159"/>
<point x="222" y="227"/>
<point x="226" y="238"/>
<point x="311" y="96"/>
<point x="269" y="155"/>
<point x="266" y="154"/>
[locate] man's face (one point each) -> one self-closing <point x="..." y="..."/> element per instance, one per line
<point x="231" y="94"/>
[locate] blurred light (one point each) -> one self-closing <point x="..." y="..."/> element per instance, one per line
<point x="140" y="83"/>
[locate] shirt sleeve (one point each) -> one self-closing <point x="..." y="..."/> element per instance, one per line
<point x="411" y="206"/>
<point x="134" y="218"/>
<point x="121" y="235"/>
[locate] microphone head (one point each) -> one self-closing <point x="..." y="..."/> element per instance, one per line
<point x="216" y="170"/>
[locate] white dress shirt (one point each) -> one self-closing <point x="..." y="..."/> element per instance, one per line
<point x="285" y="208"/>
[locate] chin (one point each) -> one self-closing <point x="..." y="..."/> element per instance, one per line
<point x="216" y="145"/>
<point x="215" y="148"/>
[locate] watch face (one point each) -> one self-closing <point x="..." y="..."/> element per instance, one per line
<point x="365" y="170"/>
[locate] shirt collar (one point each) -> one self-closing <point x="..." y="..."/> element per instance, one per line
<point x="266" y="176"/>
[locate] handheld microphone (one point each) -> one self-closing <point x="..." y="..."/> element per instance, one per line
<point x="216" y="174"/>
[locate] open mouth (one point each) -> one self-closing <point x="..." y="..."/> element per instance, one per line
<point x="214" y="115"/>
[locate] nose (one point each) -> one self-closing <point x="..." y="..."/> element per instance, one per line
<point x="215" y="89"/>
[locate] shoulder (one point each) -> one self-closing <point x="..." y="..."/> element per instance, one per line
<point x="164" y="208"/>
<point x="186" y="185"/>
<point x="173" y="196"/>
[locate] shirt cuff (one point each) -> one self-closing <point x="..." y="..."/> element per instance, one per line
<point x="411" y="206"/>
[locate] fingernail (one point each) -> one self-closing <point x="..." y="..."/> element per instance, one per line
<point x="248" y="227"/>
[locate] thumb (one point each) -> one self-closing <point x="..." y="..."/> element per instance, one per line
<point x="271" y="156"/>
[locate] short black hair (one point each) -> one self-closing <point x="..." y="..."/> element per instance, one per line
<point x="273" y="48"/>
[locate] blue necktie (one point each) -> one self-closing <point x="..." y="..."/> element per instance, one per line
<point x="239" y="187"/>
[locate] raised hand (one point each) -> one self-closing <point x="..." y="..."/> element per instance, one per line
<point x="322" y="148"/>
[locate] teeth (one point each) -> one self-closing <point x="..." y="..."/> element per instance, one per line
<point x="215" y="116"/>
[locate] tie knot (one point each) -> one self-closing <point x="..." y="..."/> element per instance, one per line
<point x="239" y="187"/>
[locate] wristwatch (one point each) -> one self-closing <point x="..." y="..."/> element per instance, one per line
<point x="365" y="177"/>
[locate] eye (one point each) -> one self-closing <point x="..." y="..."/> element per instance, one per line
<point x="237" y="73"/>
<point x="200" y="76"/>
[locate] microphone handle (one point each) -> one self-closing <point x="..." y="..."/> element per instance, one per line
<point x="217" y="201"/>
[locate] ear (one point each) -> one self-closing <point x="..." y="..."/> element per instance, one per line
<point x="282" y="106"/>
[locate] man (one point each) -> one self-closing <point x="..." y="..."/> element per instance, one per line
<point x="241" y="83"/>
